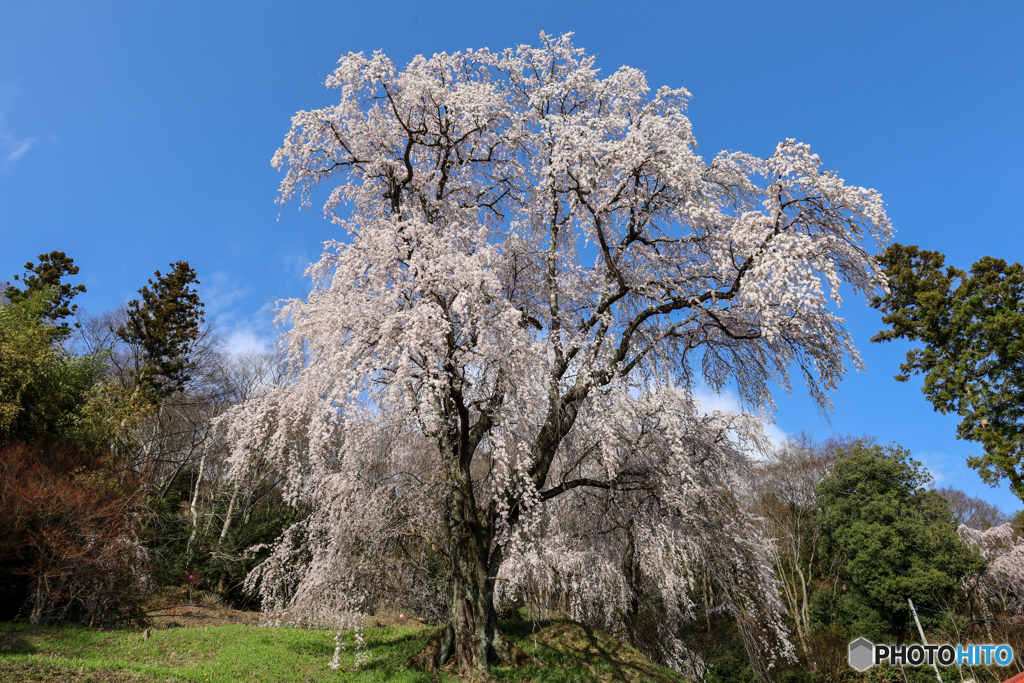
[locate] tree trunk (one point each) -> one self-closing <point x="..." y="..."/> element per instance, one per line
<point x="471" y="638"/>
<point x="631" y="571"/>
<point x="38" y="614"/>
<point x="471" y="635"/>
<point x="231" y="510"/>
<point x="193" y="508"/>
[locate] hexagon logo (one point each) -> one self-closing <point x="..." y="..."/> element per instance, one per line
<point x="861" y="654"/>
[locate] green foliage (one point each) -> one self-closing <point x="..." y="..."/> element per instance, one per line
<point x="165" y="532"/>
<point x="227" y="563"/>
<point x="715" y="639"/>
<point x="896" y="538"/>
<point x="972" y="328"/>
<point x="48" y="275"/>
<point x="26" y="353"/>
<point x="48" y="394"/>
<point x="223" y="565"/>
<point x="165" y="323"/>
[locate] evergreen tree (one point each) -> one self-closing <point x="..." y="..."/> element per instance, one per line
<point x="49" y="273"/>
<point x="895" y="538"/>
<point x="972" y="328"/>
<point x="165" y="323"/>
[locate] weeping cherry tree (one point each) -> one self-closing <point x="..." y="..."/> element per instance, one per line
<point x="498" y="356"/>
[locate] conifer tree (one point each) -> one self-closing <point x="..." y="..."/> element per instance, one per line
<point x="165" y="322"/>
<point x="49" y="273"/>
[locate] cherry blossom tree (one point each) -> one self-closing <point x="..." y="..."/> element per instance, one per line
<point x="1000" y="588"/>
<point x="538" y="266"/>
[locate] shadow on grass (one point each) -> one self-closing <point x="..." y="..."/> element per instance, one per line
<point x="15" y="643"/>
<point x="311" y="649"/>
<point x="375" y="640"/>
<point x="392" y="653"/>
<point x="611" y="656"/>
<point x="577" y="652"/>
<point x="523" y="628"/>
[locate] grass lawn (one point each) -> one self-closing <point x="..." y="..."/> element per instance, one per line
<point x="233" y="653"/>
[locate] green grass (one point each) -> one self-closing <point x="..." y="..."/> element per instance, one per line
<point x="229" y="654"/>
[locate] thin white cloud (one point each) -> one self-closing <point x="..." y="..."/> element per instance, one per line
<point x="18" y="149"/>
<point x="728" y="400"/>
<point x="244" y="340"/>
<point x="219" y="292"/>
<point x="775" y="435"/>
<point x="245" y="335"/>
<point x="938" y="464"/>
<point x="13" y="146"/>
<point x="295" y="262"/>
<point x="241" y="330"/>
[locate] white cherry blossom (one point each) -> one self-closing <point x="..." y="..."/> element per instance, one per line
<point x="496" y="357"/>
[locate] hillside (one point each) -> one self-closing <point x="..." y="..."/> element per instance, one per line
<point x="237" y="652"/>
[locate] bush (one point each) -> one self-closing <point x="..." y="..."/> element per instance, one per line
<point x="69" y="534"/>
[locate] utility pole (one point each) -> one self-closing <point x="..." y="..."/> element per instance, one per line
<point x="920" y="630"/>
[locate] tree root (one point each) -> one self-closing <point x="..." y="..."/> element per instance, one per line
<point x="510" y="654"/>
<point x="440" y="651"/>
<point x="427" y="658"/>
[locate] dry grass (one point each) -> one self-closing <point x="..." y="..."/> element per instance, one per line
<point x="177" y="605"/>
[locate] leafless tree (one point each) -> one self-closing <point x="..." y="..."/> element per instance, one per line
<point x="973" y="512"/>
<point x="784" y="499"/>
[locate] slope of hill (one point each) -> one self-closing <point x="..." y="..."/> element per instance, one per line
<point x="564" y="651"/>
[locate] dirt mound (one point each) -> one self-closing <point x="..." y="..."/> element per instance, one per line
<point x="565" y="644"/>
<point x="199" y="615"/>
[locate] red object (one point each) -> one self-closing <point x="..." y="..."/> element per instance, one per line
<point x="1019" y="678"/>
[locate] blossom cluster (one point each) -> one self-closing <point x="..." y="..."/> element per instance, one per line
<point x="536" y="265"/>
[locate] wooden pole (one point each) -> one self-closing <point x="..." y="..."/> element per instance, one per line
<point x="920" y="630"/>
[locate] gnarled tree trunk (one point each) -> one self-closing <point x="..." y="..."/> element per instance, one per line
<point x="471" y="637"/>
<point x="471" y="634"/>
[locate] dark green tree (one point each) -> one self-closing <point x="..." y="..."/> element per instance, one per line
<point x="971" y="326"/>
<point x="165" y="324"/>
<point x="49" y="273"/>
<point x="895" y="540"/>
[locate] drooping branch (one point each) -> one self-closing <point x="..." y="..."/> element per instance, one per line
<point x="467" y="313"/>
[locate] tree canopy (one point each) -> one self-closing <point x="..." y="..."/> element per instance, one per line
<point x="897" y="539"/>
<point x="49" y="394"/>
<point x="537" y="266"/>
<point x="165" y="324"/>
<point x="49" y="275"/>
<point x="971" y="325"/>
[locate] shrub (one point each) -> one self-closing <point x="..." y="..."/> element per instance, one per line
<point x="69" y="532"/>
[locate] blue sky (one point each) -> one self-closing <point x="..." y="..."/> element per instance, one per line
<point x="135" y="134"/>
